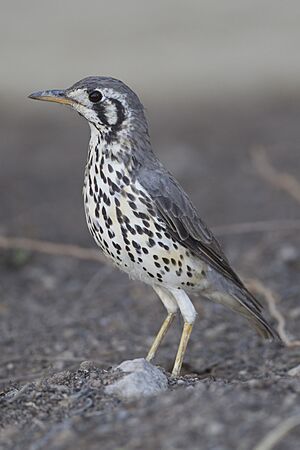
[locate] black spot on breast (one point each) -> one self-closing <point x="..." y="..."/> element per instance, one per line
<point x="161" y="244"/>
<point x="143" y="216"/>
<point x="151" y="212"/>
<point x="145" y="202"/>
<point x="113" y="187"/>
<point x="146" y="223"/>
<point x="148" y="232"/>
<point x="132" y="205"/>
<point x="124" y="234"/>
<point x="136" y="246"/>
<point x="103" y="177"/>
<point x="142" y="193"/>
<point x="126" y="180"/>
<point x="102" y="162"/>
<point x="130" y="228"/>
<point x="131" y="197"/>
<point x="117" y="246"/>
<point x="106" y="199"/>
<point x="104" y="213"/>
<point x="127" y="241"/>
<point x="111" y="234"/>
<point x="95" y="184"/>
<point x="97" y="154"/>
<point x="139" y="229"/>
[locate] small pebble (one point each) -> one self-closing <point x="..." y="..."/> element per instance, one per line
<point x="295" y="371"/>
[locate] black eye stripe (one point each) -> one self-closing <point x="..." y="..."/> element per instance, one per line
<point x="95" y="96"/>
<point x="120" y="111"/>
<point x="100" y="110"/>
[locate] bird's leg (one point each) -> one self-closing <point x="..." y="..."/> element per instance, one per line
<point x="189" y="315"/>
<point x="160" y="335"/>
<point x="186" y="332"/>
<point x="171" y="306"/>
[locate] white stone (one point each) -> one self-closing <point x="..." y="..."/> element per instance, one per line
<point x="142" y="379"/>
<point x="295" y="371"/>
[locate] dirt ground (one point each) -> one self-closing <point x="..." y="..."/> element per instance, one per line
<point x="65" y="322"/>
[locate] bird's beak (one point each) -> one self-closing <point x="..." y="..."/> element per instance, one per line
<point x="55" y="95"/>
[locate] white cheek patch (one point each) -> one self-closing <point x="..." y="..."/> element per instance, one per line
<point x="79" y="95"/>
<point x="111" y="113"/>
<point x="89" y="114"/>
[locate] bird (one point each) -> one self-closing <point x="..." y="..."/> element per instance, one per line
<point x="142" y="219"/>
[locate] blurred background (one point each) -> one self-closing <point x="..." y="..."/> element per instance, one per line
<point x="221" y="85"/>
<point x="212" y="76"/>
<point x="166" y="50"/>
<point x="216" y="78"/>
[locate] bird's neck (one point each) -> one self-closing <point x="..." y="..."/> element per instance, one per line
<point x="110" y="167"/>
<point x="109" y="151"/>
<point x="128" y="148"/>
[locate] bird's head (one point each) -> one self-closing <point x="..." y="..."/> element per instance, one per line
<point x="107" y="103"/>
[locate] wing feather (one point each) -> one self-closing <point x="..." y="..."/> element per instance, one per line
<point x="184" y="224"/>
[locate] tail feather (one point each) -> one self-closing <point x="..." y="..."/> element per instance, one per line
<point x="236" y="296"/>
<point x="241" y="301"/>
<point x="256" y="320"/>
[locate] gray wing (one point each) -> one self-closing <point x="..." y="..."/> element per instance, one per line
<point x="184" y="224"/>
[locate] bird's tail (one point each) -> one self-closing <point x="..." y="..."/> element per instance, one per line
<point x="240" y="300"/>
<point x="255" y="318"/>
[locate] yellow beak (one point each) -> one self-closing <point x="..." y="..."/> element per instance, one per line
<point x="55" y="95"/>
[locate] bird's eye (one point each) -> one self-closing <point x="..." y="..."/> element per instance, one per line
<point x="95" y="96"/>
